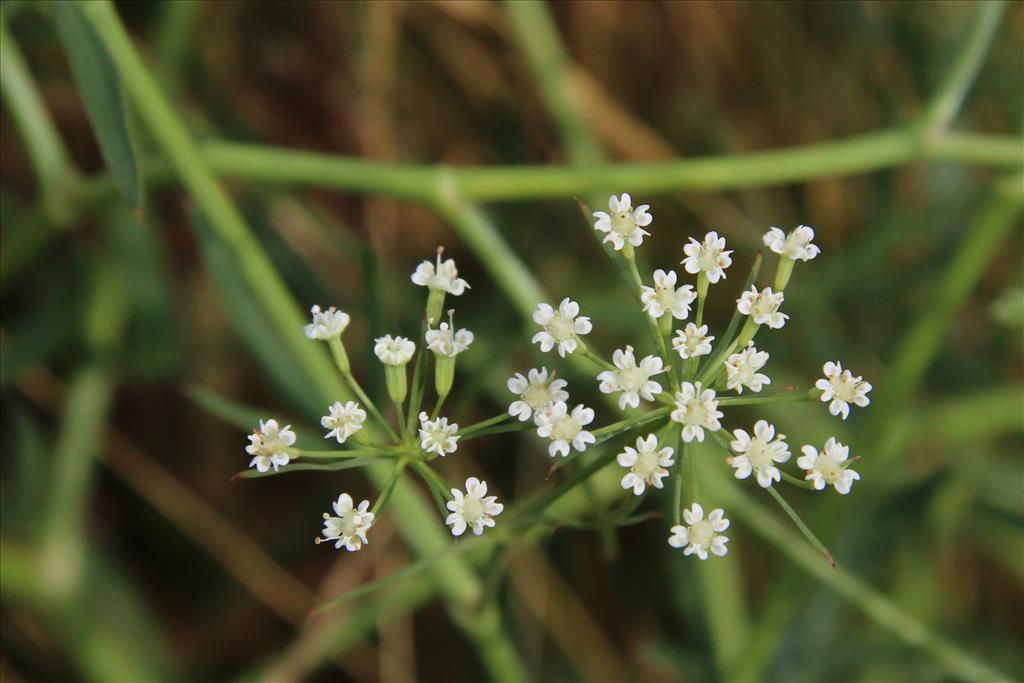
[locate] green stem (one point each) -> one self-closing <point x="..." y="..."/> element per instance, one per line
<point x="944" y="106"/>
<point x="437" y="406"/>
<point x="796" y="481"/>
<point x="682" y="455"/>
<point x="804" y="529"/>
<point x="472" y="429"/>
<point x="761" y="400"/>
<point x="354" y="453"/>
<point x="585" y="352"/>
<point x="850" y="156"/>
<point x="50" y="161"/>
<point x="419" y="383"/>
<point x="389" y="487"/>
<point x="438" y="488"/>
<point x="402" y="426"/>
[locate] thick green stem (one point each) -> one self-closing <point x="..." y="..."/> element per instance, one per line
<point x="856" y="155"/>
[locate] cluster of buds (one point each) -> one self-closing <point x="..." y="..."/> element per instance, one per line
<point x="396" y="439"/>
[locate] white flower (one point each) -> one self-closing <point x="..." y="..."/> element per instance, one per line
<point x="394" y="350"/>
<point x="665" y="297"/>
<point x="351" y="524"/>
<point x="269" y="445"/>
<point x="763" y="306"/>
<point x="343" y="420"/>
<point x="646" y="464"/>
<point x="709" y="256"/>
<point x="326" y="324"/>
<point x="742" y="369"/>
<point x="693" y="341"/>
<point x="795" y="245"/>
<point x="828" y="467"/>
<point x="437" y="436"/>
<point x="560" y="326"/>
<point x="556" y="423"/>
<point x="534" y="393"/>
<point x="631" y="379"/>
<point x="842" y="388"/>
<point x="696" y="410"/>
<point x="474" y="510"/>
<point x="701" y="535"/>
<point x="446" y="341"/>
<point x="443" y="276"/>
<point x="625" y="223"/>
<point x="758" y="454"/>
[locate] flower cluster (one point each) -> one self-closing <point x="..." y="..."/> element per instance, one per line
<point x="368" y="436"/>
<point x="695" y="388"/>
<point x="672" y="398"/>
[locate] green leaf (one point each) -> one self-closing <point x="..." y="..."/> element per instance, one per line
<point x="100" y="85"/>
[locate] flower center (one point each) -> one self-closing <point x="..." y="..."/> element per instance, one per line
<point x="472" y="509"/>
<point x="695" y="414"/>
<point x="708" y="258"/>
<point x="844" y="389"/>
<point x="623" y="223"/>
<point x="828" y="467"/>
<point x="537" y="395"/>
<point x="632" y="379"/>
<point x="701" y="534"/>
<point x="565" y="429"/>
<point x="561" y="327"/>
<point x="759" y="455"/>
<point x="341" y="526"/>
<point x="647" y="465"/>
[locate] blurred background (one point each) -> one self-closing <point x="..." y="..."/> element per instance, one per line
<point x="128" y="553"/>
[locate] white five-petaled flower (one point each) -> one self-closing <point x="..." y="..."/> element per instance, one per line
<point x="701" y="535"/>
<point x="696" y="410"/>
<point x="624" y="224"/>
<point x="758" y="454"/>
<point x="564" y="428"/>
<point x="561" y="326"/>
<point x="343" y="420"/>
<point x="692" y="341"/>
<point x="351" y="524"/>
<point x="763" y="306"/>
<point x="394" y="350"/>
<point x="437" y="436"/>
<point x="534" y="393"/>
<point x="647" y="464"/>
<point x="842" y="388"/>
<point x="742" y="369"/>
<point x="709" y="256"/>
<point x="269" y="445"/>
<point x="795" y="245"/>
<point x="664" y="297"/>
<point x="443" y="276"/>
<point x="634" y="381"/>
<point x="326" y="323"/>
<point x="828" y="467"/>
<point x="445" y="341"/>
<point x="474" y="510"/>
